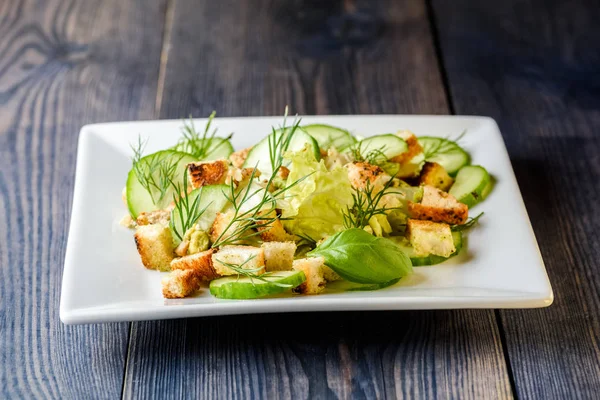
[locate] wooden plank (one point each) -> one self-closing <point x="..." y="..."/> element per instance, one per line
<point x="534" y="67"/>
<point x="62" y="64"/>
<point x="252" y="58"/>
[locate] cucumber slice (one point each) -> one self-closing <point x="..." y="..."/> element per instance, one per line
<point x="216" y="148"/>
<point x="388" y="144"/>
<point x="444" y="152"/>
<point x="233" y="287"/>
<point x="212" y="197"/>
<point x="471" y="184"/>
<point x="431" y="259"/>
<point x="138" y="198"/>
<point x="330" y="136"/>
<point x="260" y="156"/>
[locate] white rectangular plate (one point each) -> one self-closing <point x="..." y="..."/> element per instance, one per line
<point x="104" y="280"/>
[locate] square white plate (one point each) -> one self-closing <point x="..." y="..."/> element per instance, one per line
<point x="104" y="280"/>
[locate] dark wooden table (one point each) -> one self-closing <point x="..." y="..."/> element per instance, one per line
<point x="532" y="65"/>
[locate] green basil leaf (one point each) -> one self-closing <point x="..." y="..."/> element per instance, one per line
<point x="360" y="257"/>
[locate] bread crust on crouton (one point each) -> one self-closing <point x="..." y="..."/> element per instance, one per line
<point x="429" y="237"/>
<point x="433" y="174"/>
<point x="201" y="263"/>
<point x="279" y="256"/>
<point x="313" y="270"/>
<point x="208" y="173"/>
<point x="414" y="147"/>
<point x="238" y="158"/>
<point x="180" y="283"/>
<point x="246" y="257"/>
<point x="154" y="217"/>
<point x="439" y="206"/>
<point x="155" y="245"/>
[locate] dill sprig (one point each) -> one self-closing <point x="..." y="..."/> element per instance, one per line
<point x="247" y="217"/>
<point x="365" y="205"/>
<point x="155" y="173"/>
<point x="189" y="212"/>
<point x="200" y="145"/>
<point x="374" y="156"/>
<point x="467" y="225"/>
<point x="252" y="273"/>
<point x="443" y="146"/>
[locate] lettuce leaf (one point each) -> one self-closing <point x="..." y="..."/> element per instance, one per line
<point x="315" y="205"/>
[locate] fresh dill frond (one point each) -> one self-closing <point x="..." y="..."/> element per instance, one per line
<point x="200" y="144"/>
<point x="189" y="213"/>
<point x="154" y="173"/>
<point x="442" y="146"/>
<point x="251" y="273"/>
<point x="467" y="225"/>
<point x="254" y="208"/>
<point x="374" y="156"/>
<point x="365" y="205"/>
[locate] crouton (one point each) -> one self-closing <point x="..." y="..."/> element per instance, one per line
<point x="238" y="158"/>
<point x="314" y="272"/>
<point x="433" y="174"/>
<point x="154" y="217"/>
<point x="428" y="237"/>
<point x="221" y="222"/>
<point x="155" y="245"/>
<point x="246" y="257"/>
<point x="274" y="231"/>
<point x="359" y="172"/>
<point x="335" y="159"/>
<point x="208" y="173"/>
<point x="414" y="148"/>
<point x="279" y="256"/>
<point x="201" y="263"/>
<point x="180" y="283"/>
<point x="439" y="206"/>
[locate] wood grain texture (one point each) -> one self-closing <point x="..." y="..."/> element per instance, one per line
<point x="62" y="64"/>
<point x="533" y="65"/>
<point x="253" y="58"/>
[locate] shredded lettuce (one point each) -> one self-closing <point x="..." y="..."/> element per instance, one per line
<point x="314" y="206"/>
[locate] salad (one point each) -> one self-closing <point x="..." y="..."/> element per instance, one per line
<point x="305" y="206"/>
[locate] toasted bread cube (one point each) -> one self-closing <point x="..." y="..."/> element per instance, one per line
<point x="208" y="173"/>
<point x="279" y="256"/>
<point x="433" y="174"/>
<point x="220" y="225"/>
<point x="414" y="147"/>
<point x="428" y="237"/>
<point x="180" y="283"/>
<point x="246" y="257"/>
<point x="314" y="269"/>
<point x="154" y="217"/>
<point x="155" y="245"/>
<point x="241" y="176"/>
<point x="275" y="232"/>
<point x="201" y="263"/>
<point x="439" y="206"/>
<point x="359" y="172"/>
<point x="238" y="158"/>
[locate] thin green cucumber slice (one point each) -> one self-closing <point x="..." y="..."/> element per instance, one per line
<point x="153" y="168"/>
<point x="471" y="184"/>
<point x="431" y="259"/>
<point x="212" y="197"/>
<point x="444" y="152"/>
<point x="330" y="136"/>
<point x="234" y="287"/>
<point x="260" y="154"/>
<point x="387" y="144"/>
<point x="215" y="148"/>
